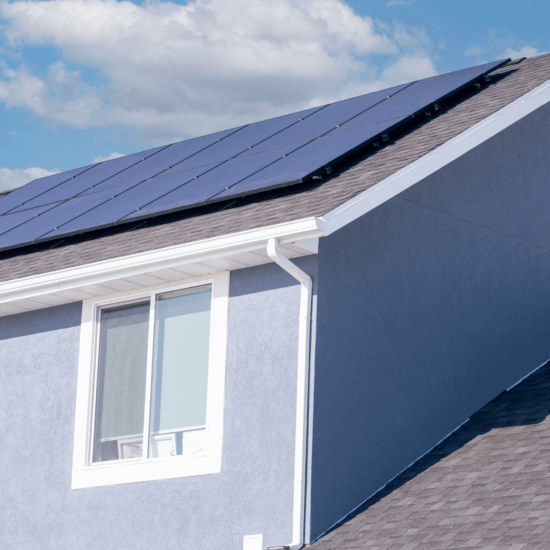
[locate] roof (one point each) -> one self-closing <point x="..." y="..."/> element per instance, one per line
<point x="486" y="486"/>
<point x="241" y="161"/>
<point x="284" y="205"/>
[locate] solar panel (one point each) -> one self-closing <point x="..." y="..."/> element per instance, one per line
<point x="417" y="97"/>
<point x="103" y="207"/>
<point x="329" y="118"/>
<point x="187" y="191"/>
<point x="82" y="182"/>
<point x="248" y="159"/>
<point x="36" y="188"/>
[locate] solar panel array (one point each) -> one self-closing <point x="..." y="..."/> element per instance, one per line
<point x="248" y="159"/>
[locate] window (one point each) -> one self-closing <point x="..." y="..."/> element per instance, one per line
<point x="150" y="384"/>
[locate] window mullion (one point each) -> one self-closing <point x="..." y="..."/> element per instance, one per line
<point x="148" y="386"/>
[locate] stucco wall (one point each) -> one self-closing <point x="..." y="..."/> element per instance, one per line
<point x="253" y="493"/>
<point x="429" y="306"/>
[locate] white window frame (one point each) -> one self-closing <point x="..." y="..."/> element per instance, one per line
<point x="85" y="474"/>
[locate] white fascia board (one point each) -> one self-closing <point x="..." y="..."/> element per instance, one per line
<point x="436" y="159"/>
<point x="165" y="258"/>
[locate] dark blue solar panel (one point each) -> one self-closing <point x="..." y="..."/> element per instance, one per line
<point x="13" y="222"/>
<point x="219" y="166"/>
<point x="180" y="188"/>
<point x="415" y="99"/>
<point x="22" y="234"/>
<point x="305" y="160"/>
<point x="102" y="209"/>
<point x="37" y="187"/>
<point x="250" y="139"/>
<point x="53" y="217"/>
<point x="83" y="182"/>
<point x="208" y="185"/>
<point x="329" y="118"/>
<point x="204" y="151"/>
<point x="168" y="157"/>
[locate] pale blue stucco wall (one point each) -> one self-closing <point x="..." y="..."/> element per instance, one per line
<point x="429" y="306"/>
<point x="253" y="493"/>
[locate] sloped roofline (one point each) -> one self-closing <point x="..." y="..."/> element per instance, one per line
<point x="244" y="249"/>
<point x="435" y="160"/>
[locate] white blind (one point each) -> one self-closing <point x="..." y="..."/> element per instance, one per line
<point x="122" y="371"/>
<point x="180" y="369"/>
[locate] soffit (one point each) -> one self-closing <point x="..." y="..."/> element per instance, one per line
<point x="167" y="266"/>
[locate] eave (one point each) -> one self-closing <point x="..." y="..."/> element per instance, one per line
<point x="137" y="271"/>
<point x="248" y="248"/>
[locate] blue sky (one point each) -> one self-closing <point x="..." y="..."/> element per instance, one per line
<point x="81" y="80"/>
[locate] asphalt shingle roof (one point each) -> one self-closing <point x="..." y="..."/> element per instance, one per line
<point x="297" y="202"/>
<point x="487" y="486"/>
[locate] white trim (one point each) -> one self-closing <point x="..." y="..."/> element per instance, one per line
<point x="135" y="470"/>
<point x="149" y="374"/>
<point x="436" y="159"/>
<point x="79" y="277"/>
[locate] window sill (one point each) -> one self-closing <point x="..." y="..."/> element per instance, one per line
<point x="135" y="471"/>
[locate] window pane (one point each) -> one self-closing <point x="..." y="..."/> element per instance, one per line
<point x="180" y="372"/>
<point x="122" y="366"/>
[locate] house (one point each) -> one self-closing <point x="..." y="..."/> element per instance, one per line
<point x="290" y="347"/>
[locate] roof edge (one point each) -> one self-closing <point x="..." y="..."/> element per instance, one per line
<point x="434" y="160"/>
<point x="243" y="249"/>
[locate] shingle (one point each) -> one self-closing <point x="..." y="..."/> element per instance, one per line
<point x="501" y="510"/>
<point x="301" y="201"/>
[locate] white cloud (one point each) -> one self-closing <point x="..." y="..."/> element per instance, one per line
<point x="525" y="51"/>
<point x="474" y="51"/>
<point x="62" y="97"/>
<point x="172" y="70"/>
<point x="407" y="69"/>
<point x="108" y="157"/>
<point x="411" y="38"/>
<point x="10" y="179"/>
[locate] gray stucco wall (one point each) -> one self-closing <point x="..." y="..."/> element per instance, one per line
<point x="429" y="306"/>
<point x="252" y="494"/>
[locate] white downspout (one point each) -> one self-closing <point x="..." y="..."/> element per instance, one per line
<point x="300" y="458"/>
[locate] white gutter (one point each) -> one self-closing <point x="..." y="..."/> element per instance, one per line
<point x="35" y="286"/>
<point x="300" y="457"/>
